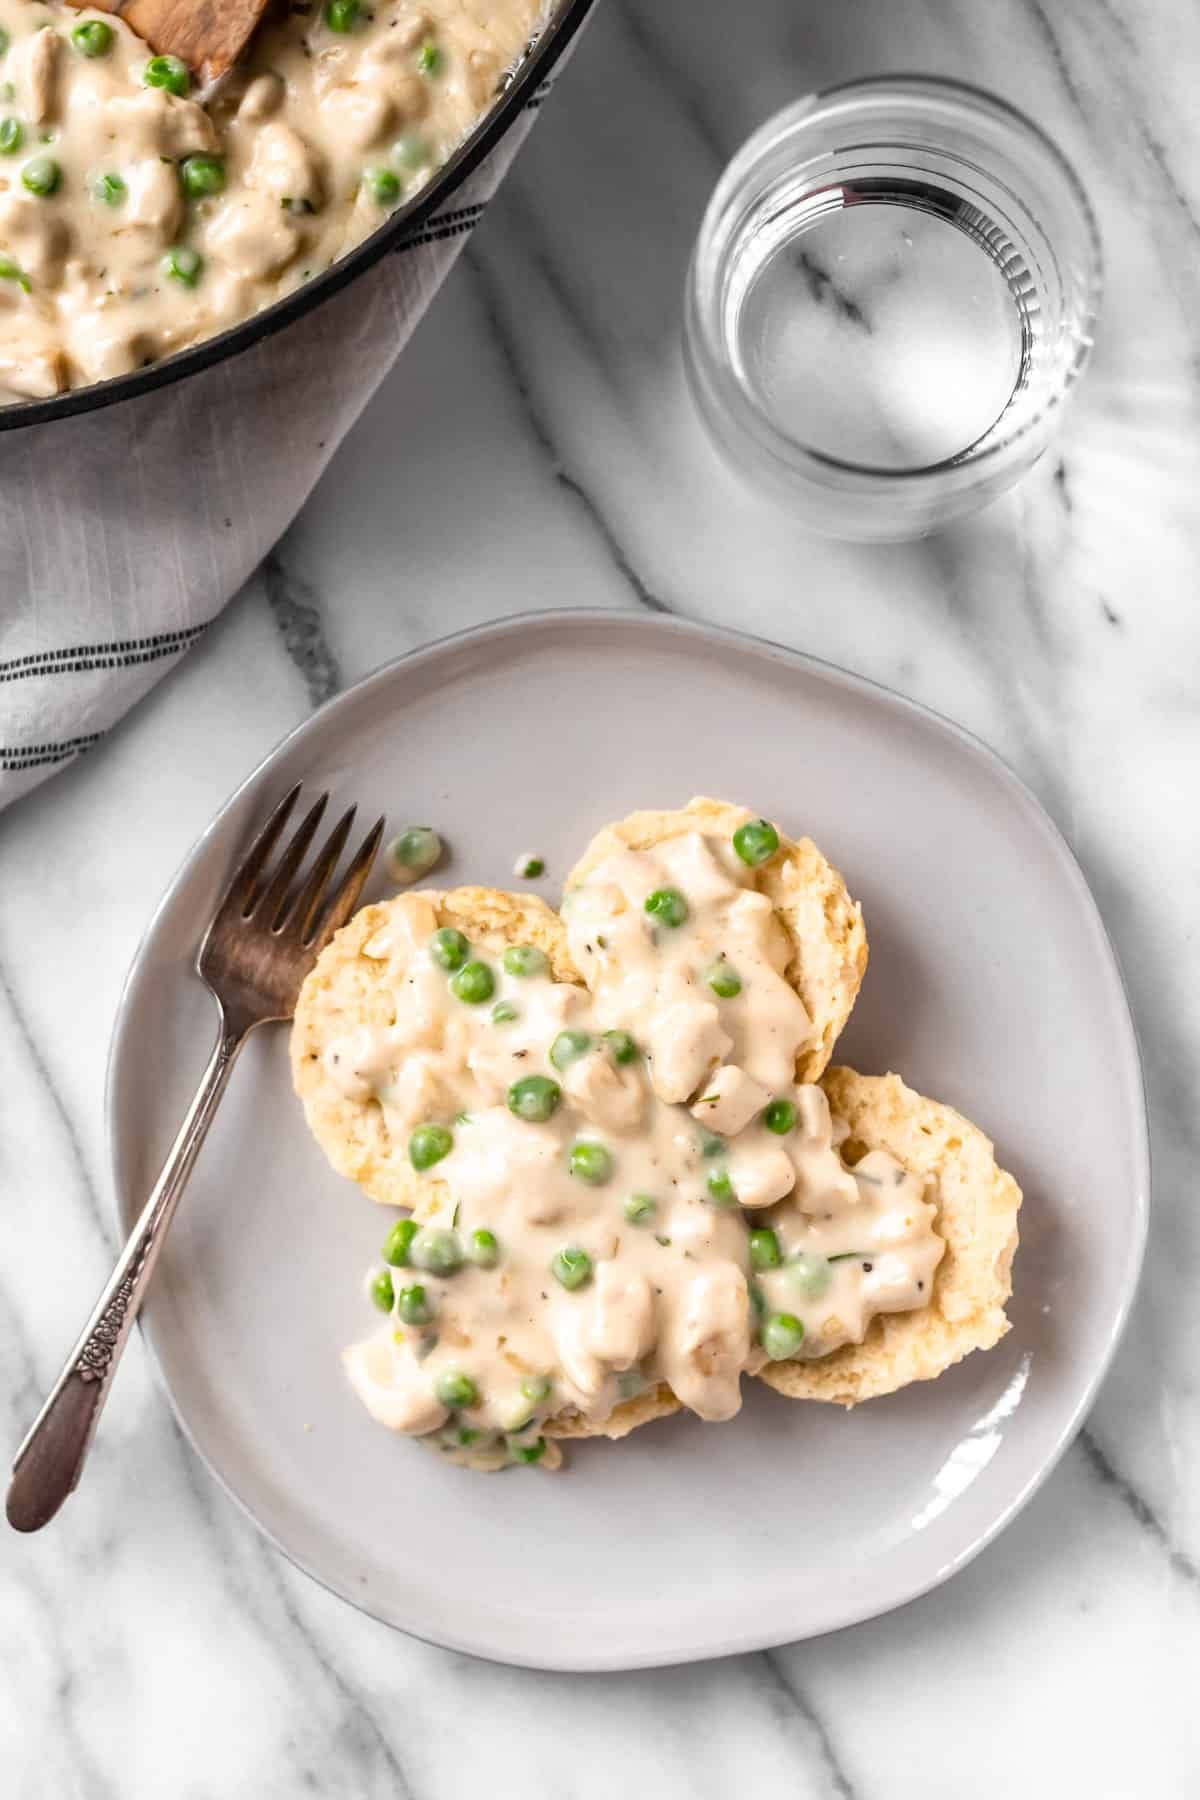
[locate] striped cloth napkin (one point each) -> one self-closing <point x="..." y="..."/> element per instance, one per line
<point x="124" y="532"/>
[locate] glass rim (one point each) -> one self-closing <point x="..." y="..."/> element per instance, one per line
<point x="713" y="378"/>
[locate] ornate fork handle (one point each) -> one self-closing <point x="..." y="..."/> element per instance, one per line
<point x="50" y="1461"/>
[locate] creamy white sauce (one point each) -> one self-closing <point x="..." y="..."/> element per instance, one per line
<point x="680" y="1291"/>
<point x="317" y="135"/>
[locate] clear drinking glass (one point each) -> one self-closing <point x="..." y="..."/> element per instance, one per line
<point x="893" y="291"/>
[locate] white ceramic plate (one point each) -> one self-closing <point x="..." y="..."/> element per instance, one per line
<point x="992" y="985"/>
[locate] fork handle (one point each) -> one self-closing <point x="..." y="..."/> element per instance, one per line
<point x="50" y="1461"/>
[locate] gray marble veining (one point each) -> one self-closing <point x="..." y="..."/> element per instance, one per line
<point x="535" y="447"/>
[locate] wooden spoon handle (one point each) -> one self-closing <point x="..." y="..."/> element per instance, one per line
<point x="208" y="35"/>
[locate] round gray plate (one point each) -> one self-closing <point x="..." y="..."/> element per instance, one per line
<point x="992" y="985"/>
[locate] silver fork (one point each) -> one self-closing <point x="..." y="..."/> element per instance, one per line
<point x="264" y="938"/>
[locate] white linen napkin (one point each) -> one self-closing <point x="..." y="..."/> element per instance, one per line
<point x="124" y="532"/>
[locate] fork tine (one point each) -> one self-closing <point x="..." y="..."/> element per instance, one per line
<point x="271" y="906"/>
<point x="308" y="900"/>
<point x="241" y="886"/>
<point x="345" y="897"/>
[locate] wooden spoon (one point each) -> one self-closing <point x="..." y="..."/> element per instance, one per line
<point x="208" y="35"/>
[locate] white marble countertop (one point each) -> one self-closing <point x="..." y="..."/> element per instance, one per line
<point x="535" y="448"/>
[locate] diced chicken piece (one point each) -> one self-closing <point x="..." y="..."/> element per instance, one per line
<point x="155" y="123"/>
<point x="263" y="97"/>
<point x="37" y="62"/>
<point x="812" y="1113"/>
<point x="35" y="235"/>
<point x="706" y="1230"/>
<point x="483" y="76"/>
<point x="685" y="1042"/>
<point x="712" y="1344"/>
<point x="695" y="870"/>
<point x="253" y="236"/>
<point x="731" y="1098"/>
<point x="415" y="919"/>
<point x="285" y="166"/>
<point x="106" y="342"/>
<point x="609" y="1096"/>
<point x="155" y="203"/>
<point x="417" y="1091"/>
<point x="332" y="67"/>
<point x="32" y="369"/>
<point x="764" y="1177"/>
<point x="754" y="915"/>
<point x="605" y="1330"/>
<point x="620" y="1316"/>
<point x="500" y="1155"/>
<point x="392" y="1386"/>
<point x="409" y="94"/>
<point x="402" y="36"/>
<point x="902" y="1282"/>
<point x="358" y="116"/>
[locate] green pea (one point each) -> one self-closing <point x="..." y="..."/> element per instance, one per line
<point x="41" y="175"/>
<point x="428" y="1144"/>
<point x="382" y="185"/>
<point x="456" y="1390"/>
<point x="483" y="1248"/>
<point x="530" y="867"/>
<point x="782" y="1335"/>
<point x="449" y="948"/>
<point x="438" y="1251"/>
<point x="467" y="1436"/>
<point x="524" y="960"/>
<point x="430" y="60"/>
<point x="590" y="1162"/>
<point x="780" y="1117"/>
<point x="12" y="136"/>
<point x="720" y="1187"/>
<point x="535" y="1098"/>
<point x="640" y="1208"/>
<point x="342" y="15"/>
<point x="622" y="1046"/>
<point x="758" y="1300"/>
<point x="809" y="1275"/>
<point x="169" y="73"/>
<point x="504" y="1012"/>
<point x="412" y="151"/>
<point x="413" y="853"/>
<point x="537" y="1389"/>
<point x="473" y="984"/>
<point x="398" y="1243"/>
<point x="184" y="265"/>
<point x="723" y="979"/>
<point x="202" y="175"/>
<point x="110" y="189"/>
<point x="568" y="1047"/>
<point x="93" y="38"/>
<point x="711" y="1145"/>
<point x="668" y="905"/>
<point x="764" y="1249"/>
<point x="756" y="842"/>
<point x="529" y="1453"/>
<point x="412" y="1303"/>
<point x="573" y="1268"/>
<point x="11" y="271"/>
<point x="630" y="1382"/>
<point x="382" y="1292"/>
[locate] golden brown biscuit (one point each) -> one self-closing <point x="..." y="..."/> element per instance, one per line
<point x="823" y="924"/>
<point x="348" y="989"/>
<point x="977" y="1206"/>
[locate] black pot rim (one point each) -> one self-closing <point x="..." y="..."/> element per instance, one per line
<point x="568" y="16"/>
